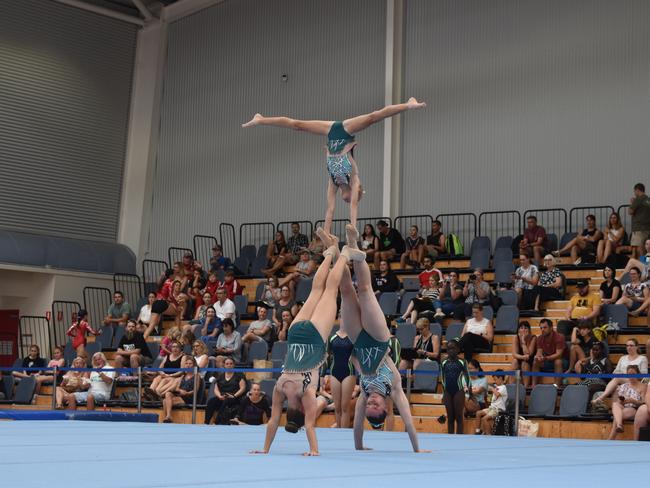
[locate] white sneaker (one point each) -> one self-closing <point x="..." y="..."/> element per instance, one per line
<point x="438" y="314"/>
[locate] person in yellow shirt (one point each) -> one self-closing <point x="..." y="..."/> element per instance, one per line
<point x="584" y="306"/>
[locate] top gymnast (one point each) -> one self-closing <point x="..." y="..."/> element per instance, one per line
<point x="341" y="166"/>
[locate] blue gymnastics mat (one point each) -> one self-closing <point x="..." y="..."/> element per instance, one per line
<point x="143" y="455"/>
<point x="77" y="415"/>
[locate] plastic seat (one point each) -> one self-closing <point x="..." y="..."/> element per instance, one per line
<point x="257" y="266"/>
<point x="503" y="271"/>
<point x="406" y="299"/>
<point x="69" y="353"/>
<point x="258" y="350"/>
<point x="574" y="400"/>
<point x="388" y="302"/>
<point x="510" y="405"/>
<point x="106" y="335"/>
<point x="508" y="297"/>
<point x="92" y="348"/>
<point x="154" y="349"/>
<point x="279" y="350"/>
<point x="480" y="242"/>
<point x="566" y="237"/>
<point x="542" y="401"/>
<point x="117" y="336"/>
<point x="259" y="291"/>
<point x="618" y="314"/>
<point x="502" y="254"/>
<point x="24" y="391"/>
<point x="411" y="284"/>
<point x="249" y="252"/>
<point x="267" y="387"/>
<point x="405" y="334"/>
<point x="454" y="330"/>
<point x="425" y="377"/>
<point x="241" y="304"/>
<point x="480" y="258"/>
<point x="488" y="312"/>
<point x="303" y="289"/>
<point x="551" y="241"/>
<point x="436" y="329"/>
<point x="507" y="319"/>
<point x="241" y="265"/>
<point x="503" y="242"/>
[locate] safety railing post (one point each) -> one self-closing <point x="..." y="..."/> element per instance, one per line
<point x="409" y="377"/>
<point x="139" y="389"/>
<point x="194" y="393"/>
<point x="517" y="385"/>
<point x="56" y="372"/>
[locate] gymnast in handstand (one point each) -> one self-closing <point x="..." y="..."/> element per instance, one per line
<point x="341" y="166"/>
<point x="307" y="351"/>
<point x="365" y="324"/>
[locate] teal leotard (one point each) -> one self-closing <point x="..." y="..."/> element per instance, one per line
<point x="339" y="165"/>
<point x="369" y="352"/>
<point x="306" y="349"/>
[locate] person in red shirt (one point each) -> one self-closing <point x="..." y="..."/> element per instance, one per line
<point x="534" y="243"/>
<point x="78" y="331"/>
<point x="231" y="285"/>
<point x="550" y="351"/>
<point x="425" y="275"/>
<point x="212" y="285"/>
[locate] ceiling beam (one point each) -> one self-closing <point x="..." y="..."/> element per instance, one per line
<point x="183" y="8"/>
<point x="102" y="11"/>
<point x="146" y="13"/>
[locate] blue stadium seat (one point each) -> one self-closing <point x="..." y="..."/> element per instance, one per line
<point x="425" y="376"/>
<point x="542" y="401"/>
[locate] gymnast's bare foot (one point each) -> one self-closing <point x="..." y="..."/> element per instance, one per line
<point x="413" y="103"/>
<point x="352" y="236"/>
<point x="254" y="121"/>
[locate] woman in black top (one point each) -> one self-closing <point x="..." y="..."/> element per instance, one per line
<point x="252" y="408"/>
<point x="425" y="344"/>
<point x="385" y="280"/>
<point x="610" y="289"/>
<point x="582" y="340"/>
<point x="183" y="391"/>
<point x="229" y="388"/>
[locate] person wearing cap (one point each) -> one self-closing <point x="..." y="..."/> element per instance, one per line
<point x="582" y="340"/>
<point x="584" y="306"/>
<point x="218" y="260"/>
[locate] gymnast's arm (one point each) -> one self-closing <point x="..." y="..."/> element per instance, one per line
<point x="358" y="422"/>
<point x="309" y="404"/>
<point x="274" y="421"/>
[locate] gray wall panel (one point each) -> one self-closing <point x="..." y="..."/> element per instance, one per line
<point x="531" y="103"/>
<point x="65" y="84"/>
<point x="224" y="64"/>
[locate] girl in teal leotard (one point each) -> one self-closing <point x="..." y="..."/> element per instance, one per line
<point x="341" y="166"/>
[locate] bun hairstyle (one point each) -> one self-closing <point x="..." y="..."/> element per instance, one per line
<point x="295" y="420"/>
<point x="377" y="421"/>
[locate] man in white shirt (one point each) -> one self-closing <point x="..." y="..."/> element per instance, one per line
<point x="224" y="307"/>
<point x="101" y="384"/>
<point x="498" y="405"/>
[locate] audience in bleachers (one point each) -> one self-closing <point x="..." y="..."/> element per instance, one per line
<point x="78" y="331"/>
<point x="550" y="283"/>
<point x="610" y="288"/>
<point x="525" y="283"/>
<point x="132" y="350"/>
<point x="584" y="306"/>
<point x="275" y="254"/>
<point x="640" y="211"/>
<point x="144" y="316"/>
<point x="296" y="243"/>
<point x="71" y="382"/>
<point x="183" y="391"/>
<point x="285" y="302"/>
<point x="46" y="377"/>
<point x="636" y="294"/>
<point x="385" y="280"/>
<point x="414" y="249"/>
<point x="497" y="405"/>
<point x="33" y="360"/>
<point x="479" y="387"/>
<point x="173" y="335"/>
<point x="391" y="243"/>
<point x="476" y="290"/>
<point x="100" y="384"/>
<point x="632" y="358"/>
<point x="451" y="295"/>
<point x="165" y="380"/>
<point x="436" y="241"/>
<point x="642" y="416"/>
<point x="425" y="274"/>
<point x="613" y="239"/>
<point x="254" y="408"/>
<point x="282" y="329"/>
<point x="427" y="300"/>
<point x="212" y="285"/>
<point x="119" y="311"/>
<point x="523" y="350"/>
<point x="201" y="356"/>
<point x="270" y="292"/>
<point x="201" y="311"/>
<point x="642" y="263"/>
<point x="219" y="262"/>
<point x="550" y="355"/>
<point x="304" y="269"/>
<point x="209" y="326"/>
<point x="585" y="243"/>
<point x="231" y="285"/>
<point x="224" y="307"/>
<point x="630" y="395"/>
<point x="596" y="363"/>
<point x="534" y="242"/>
<point x="229" y="388"/>
<point x="259" y="330"/>
<point x="582" y="340"/>
<point x="478" y="333"/>
<point x="369" y="242"/>
<point x="229" y="342"/>
<point x="426" y="346"/>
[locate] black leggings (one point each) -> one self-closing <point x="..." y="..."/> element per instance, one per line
<point x="472" y="342"/>
<point x="215" y="405"/>
<point x="455" y="406"/>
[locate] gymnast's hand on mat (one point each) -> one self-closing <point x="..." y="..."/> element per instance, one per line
<point x="422" y="450"/>
<point x="311" y="453"/>
<point x="257" y="452"/>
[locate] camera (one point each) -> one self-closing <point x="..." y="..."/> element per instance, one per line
<point x="472" y="277"/>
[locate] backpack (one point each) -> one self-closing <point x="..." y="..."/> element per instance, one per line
<point x="454" y="246"/>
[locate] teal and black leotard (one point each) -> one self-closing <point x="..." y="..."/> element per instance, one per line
<point x="339" y="147"/>
<point x="306" y="349"/>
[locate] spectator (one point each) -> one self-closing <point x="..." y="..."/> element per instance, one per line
<point x="475" y="291"/>
<point x="424" y="275"/>
<point x="46" y="377"/>
<point x="426" y="346"/>
<point x="636" y="294"/>
<point x="224" y="307"/>
<point x="642" y="417"/>
<point x="201" y="311"/>
<point x="451" y="294"/>
<point x="295" y="244"/>
<point x="144" y="317"/>
<point x="119" y="311"/>
<point x="316" y="248"/>
<point x="212" y="284"/>
<point x="478" y="333"/>
<point x="525" y="281"/>
<point x="259" y="330"/>
<point x="534" y="243"/>
<point x="188" y="266"/>
<point x="253" y="407"/>
<point x="414" y="252"/>
<point x="550" y="351"/>
<point x="479" y="386"/>
<point x="585" y="306"/>
<point x="631" y="358"/>
<point x="271" y="292"/>
<point x="436" y="241"/>
<point x="101" y="384"/>
<point x="497" y="406"/>
<point x="78" y="331"/>
<point x="71" y="383"/>
<point x="200" y="353"/>
<point x="610" y="289"/>
<point x="305" y="269"/>
<point x="584" y="243"/>
<point x="612" y="240"/>
<point x="183" y="392"/>
<point x="187" y="337"/>
<point x="454" y="378"/>
<point x="198" y="282"/>
<point x="132" y="350"/>
<point x="630" y="395"/>
<point x="210" y="325"/>
<point x="640" y="212"/>
<point x="173" y="335"/>
<point x="597" y="363"/>
<point x="231" y="285"/>
<point x="33" y="360"/>
<point x="229" y="389"/>
<point x="283" y="327"/>
<point x="165" y="381"/>
<point x="524" y="348"/>
<point x="218" y="261"/>
<point x="369" y="242"/>
<point x="643" y="263"/>
<point x="391" y="243"/>
<point x="427" y="300"/>
<point x="384" y="280"/>
<point x="275" y="254"/>
<point x="178" y="273"/>
<point x="550" y="282"/>
<point x="286" y="302"/>
<point x="229" y="342"/>
<point x="582" y="340"/>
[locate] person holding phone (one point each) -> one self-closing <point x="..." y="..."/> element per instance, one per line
<point x="630" y="395"/>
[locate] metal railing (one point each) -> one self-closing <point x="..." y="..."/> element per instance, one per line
<point x="131" y="287"/>
<point x="554" y="220"/>
<point x="33" y="329"/>
<point x="175" y="254"/>
<point x="228" y="240"/>
<point x="63" y="314"/>
<point x="404" y="222"/>
<point x="464" y="225"/>
<point x="203" y="249"/>
<point x="256" y="234"/>
<point x="306" y="227"/>
<point x="577" y="216"/>
<point x="96" y="303"/>
<point x="499" y="223"/>
<point x="152" y="270"/>
<point x="362" y="222"/>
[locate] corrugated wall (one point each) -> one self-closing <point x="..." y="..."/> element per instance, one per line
<point x="531" y="103"/>
<point x="65" y="84"/>
<point x="224" y="64"/>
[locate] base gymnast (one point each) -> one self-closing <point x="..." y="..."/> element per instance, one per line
<point x="341" y="166"/>
<point x="307" y="351"/>
<point x="365" y="324"/>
